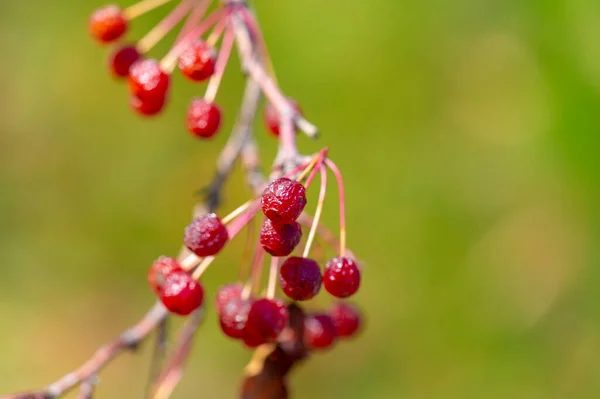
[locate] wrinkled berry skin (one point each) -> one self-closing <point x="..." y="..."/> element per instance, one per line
<point x="147" y="81"/>
<point x="300" y="278"/>
<point x="181" y="294"/>
<point x="266" y="319"/>
<point x="280" y="240"/>
<point x="197" y="62"/>
<point x="122" y="59"/>
<point x="319" y="331"/>
<point x="107" y="24"/>
<point x="271" y="116"/>
<point x="283" y="200"/>
<point x="346" y="318"/>
<point x="233" y="317"/>
<point x="203" y="119"/>
<point x="206" y="235"/>
<point x="148" y="107"/>
<point x="226" y="294"/>
<point x="160" y="270"/>
<point x="341" y="277"/>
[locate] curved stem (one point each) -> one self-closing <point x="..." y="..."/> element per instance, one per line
<point x="338" y="175"/>
<point x="321" y="201"/>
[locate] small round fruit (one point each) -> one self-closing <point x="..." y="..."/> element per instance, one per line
<point x="280" y="240"/>
<point x="266" y="319"/>
<point x="233" y="317"/>
<point x="283" y="200"/>
<point x="346" y="318"/>
<point x="203" y="118"/>
<point x="122" y="59"/>
<point x="319" y="331"/>
<point x="197" y="62"/>
<point x="148" y="107"/>
<point x="300" y="278"/>
<point x="226" y="294"/>
<point x="160" y="270"/>
<point x="342" y="277"/>
<point x="181" y="294"/>
<point x="107" y="23"/>
<point x="147" y="80"/>
<point x="271" y="115"/>
<point x="206" y="235"/>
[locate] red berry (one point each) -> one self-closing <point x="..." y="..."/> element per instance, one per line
<point x="107" y="23"/>
<point x="283" y="200"/>
<point x="319" y="331"/>
<point x="206" y="235"/>
<point x="160" y="270"/>
<point x="197" y="62"/>
<point x="300" y="278"/>
<point x="149" y="107"/>
<point x="346" y="319"/>
<point x="341" y="277"/>
<point x="181" y="294"/>
<point x="233" y="317"/>
<point x="272" y="116"/>
<point x="253" y="342"/>
<point x="280" y="239"/>
<point x="122" y="59"/>
<point x="147" y="80"/>
<point x="226" y="294"/>
<point x="203" y="118"/>
<point x="266" y="319"/>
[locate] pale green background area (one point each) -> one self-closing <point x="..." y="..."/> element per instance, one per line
<point x="468" y="132"/>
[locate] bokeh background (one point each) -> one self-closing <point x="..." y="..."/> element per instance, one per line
<point x="468" y="132"/>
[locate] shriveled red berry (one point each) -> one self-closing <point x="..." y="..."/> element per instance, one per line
<point x="226" y="294"/>
<point x="160" y="270"/>
<point x="147" y="80"/>
<point x="300" y="278"/>
<point x="346" y="318"/>
<point x="341" y="277"/>
<point x="271" y="115"/>
<point x="181" y="294"/>
<point x="233" y="317"/>
<point x="319" y="331"/>
<point x="203" y="118"/>
<point x="206" y="235"/>
<point x="122" y="59"/>
<point x="266" y="319"/>
<point x="197" y="62"/>
<point x="280" y="239"/>
<point x="283" y="200"/>
<point x="148" y="107"/>
<point x="107" y="23"/>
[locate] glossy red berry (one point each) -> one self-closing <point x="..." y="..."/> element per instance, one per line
<point x="160" y="270"/>
<point x="148" y="107"/>
<point x="233" y="317"/>
<point x="283" y="200"/>
<point x="122" y="59"/>
<point x="203" y="118"/>
<point x="346" y="318"/>
<point x="300" y="278"/>
<point x="206" y="235"/>
<point x="266" y="319"/>
<point x="107" y="23"/>
<point x="226" y="294"/>
<point x="280" y="239"/>
<point x="253" y="341"/>
<point x="319" y="331"/>
<point x="181" y="294"/>
<point x="271" y="115"/>
<point x="147" y="80"/>
<point x="197" y="62"/>
<point x="341" y="277"/>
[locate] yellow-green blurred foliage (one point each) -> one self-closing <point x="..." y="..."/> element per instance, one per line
<point x="468" y="132"/>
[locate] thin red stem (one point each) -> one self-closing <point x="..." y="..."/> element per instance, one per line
<point x="221" y="63"/>
<point x="195" y="17"/>
<point x="146" y="43"/>
<point x="319" y="210"/>
<point x="273" y="273"/>
<point x="342" y="196"/>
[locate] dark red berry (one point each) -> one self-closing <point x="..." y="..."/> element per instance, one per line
<point x="300" y="278"/>
<point x="266" y="319"/>
<point x="226" y="294"/>
<point x="107" y="23"/>
<point x="346" y="318"/>
<point x="341" y="277"/>
<point x="160" y="270"/>
<point x="147" y="80"/>
<point x="148" y="107"/>
<point x="280" y="239"/>
<point x="319" y="331"/>
<point x="203" y="118"/>
<point x="233" y="317"/>
<point x="283" y="200"/>
<point x="181" y="294"/>
<point x="122" y="59"/>
<point x="206" y="235"/>
<point x="272" y="119"/>
<point x="197" y="62"/>
<point x="252" y="341"/>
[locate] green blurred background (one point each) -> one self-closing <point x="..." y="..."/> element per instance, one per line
<point x="468" y="132"/>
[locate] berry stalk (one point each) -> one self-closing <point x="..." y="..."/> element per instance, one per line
<point x="338" y="176"/>
<point x="152" y="38"/>
<point x="319" y="210"/>
<point x="143" y="7"/>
